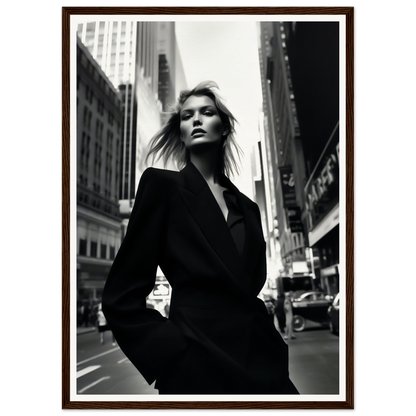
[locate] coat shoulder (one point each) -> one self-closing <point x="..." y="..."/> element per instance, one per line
<point x="159" y="177"/>
<point x="250" y="203"/>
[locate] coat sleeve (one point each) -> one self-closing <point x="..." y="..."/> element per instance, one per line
<point x="148" y="339"/>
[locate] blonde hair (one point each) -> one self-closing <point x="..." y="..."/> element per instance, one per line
<point x="167" y="143"/>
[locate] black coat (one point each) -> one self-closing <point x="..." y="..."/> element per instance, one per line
<point x="218" y="338"/>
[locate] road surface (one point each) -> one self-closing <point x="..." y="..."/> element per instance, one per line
<point x="104" y="369"/>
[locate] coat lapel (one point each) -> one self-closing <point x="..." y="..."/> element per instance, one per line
<point x="254" y="237"/>
<point x="204" y="208"/>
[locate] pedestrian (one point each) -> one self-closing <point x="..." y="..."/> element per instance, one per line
<point x="280" y="313"/>
<point x="102" y="325"/>
<point x="206" y="236"/>
<point x="270" y="306"/>
<point x="86" y="314"/>
<point x="287" y="305"/>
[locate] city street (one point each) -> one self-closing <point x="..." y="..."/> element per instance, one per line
<point x="104" y="369"/>
<point x="314" y="361"/>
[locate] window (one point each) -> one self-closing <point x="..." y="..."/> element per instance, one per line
<point x="93" y="249"/>
<point x="93" y="237"/>
<point x="112" y="241"/>
<point x="85" y="118"/>
<point x="82" y="237"/>
<point x="82" y="247"/>
<point x="89" y="94"/>
<point x="100" y="107"/>
<point x="104" y="241"/>
<point x="103" y="251"/>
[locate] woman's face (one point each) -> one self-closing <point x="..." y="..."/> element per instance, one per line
<point x="200" y="122"/>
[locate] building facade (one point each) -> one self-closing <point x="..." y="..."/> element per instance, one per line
<point x="285" y="162"/>
<point x="315" y="47"/>
<point x="300" y="76"/>
<point x="142" y="61"/>
<point x="172" y="78"/>
<point x="99" y="121"/>
<point x="128" y="53"/>
<point x="143" y="65"/>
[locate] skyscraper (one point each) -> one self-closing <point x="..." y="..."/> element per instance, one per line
<point x="171" y="73"/>
<point x="283" y="153"/>
<point x="143" y="62"/>
<point x="127" y="53"/>
<point x="99" y="120"/>
<point x="313" y="50"/>
<point x="300" y="75"/>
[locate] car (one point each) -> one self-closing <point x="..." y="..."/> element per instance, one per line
<point x="311" y="306"/>
<point x="333" y="316"/>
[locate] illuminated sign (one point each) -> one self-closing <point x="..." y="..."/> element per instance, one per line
<point x="322" y="189"/>
<point x="288" y="186"/>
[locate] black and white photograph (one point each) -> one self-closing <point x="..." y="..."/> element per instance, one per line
<point x="208" y="209"/>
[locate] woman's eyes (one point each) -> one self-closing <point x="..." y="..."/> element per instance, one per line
<point x="205" y="113"/>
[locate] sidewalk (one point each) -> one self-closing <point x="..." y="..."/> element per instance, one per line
<point x="85" y="330"/>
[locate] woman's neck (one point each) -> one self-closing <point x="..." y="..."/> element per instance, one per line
<point x="208" y="167"/>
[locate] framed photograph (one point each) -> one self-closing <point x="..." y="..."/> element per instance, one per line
<point x="283" y="79"/>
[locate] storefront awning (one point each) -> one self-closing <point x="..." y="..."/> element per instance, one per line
<point x="325" y="226"/>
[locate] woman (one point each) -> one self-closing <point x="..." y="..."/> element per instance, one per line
<point x="206" y="237"/>
<point x="102" y="325"/>
<point x="287" y="305"/>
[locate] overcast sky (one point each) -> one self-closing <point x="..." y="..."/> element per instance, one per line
<point x="227" y="53"/>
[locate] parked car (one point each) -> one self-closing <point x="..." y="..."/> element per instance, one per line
<point x="311" y="306"/>
<point x="333" y="315"/>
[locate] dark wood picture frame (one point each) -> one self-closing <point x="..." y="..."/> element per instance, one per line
<point x="349" y="198"/>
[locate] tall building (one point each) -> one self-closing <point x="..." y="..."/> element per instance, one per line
<point x="172" y="78"/>
<point x="99" y="120"/>
<point x="313" y="51"/>
<point x="283" y="148"/>
<point x="300" y="75"/>
<point x="128" y="53"/>
<point x="143" y="62"/>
